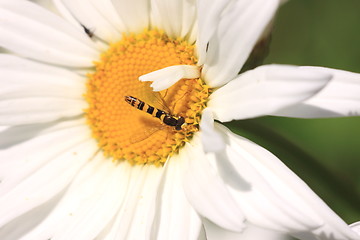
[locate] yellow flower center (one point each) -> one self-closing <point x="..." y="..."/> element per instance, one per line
<point x="125" y="132"/>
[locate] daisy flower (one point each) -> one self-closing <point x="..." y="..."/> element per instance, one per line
<point x="110" y="110"/>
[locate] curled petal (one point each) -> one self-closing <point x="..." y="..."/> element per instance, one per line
<point x="166" y="77"/>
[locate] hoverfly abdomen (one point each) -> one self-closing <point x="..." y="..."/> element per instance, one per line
<point x="132" y="101"/>
<point x="168" y="119"/>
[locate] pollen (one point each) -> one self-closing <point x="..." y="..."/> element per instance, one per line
<point x="123" y="132"/>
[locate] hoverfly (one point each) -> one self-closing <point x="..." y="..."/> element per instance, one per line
<point x="168" y="119"/>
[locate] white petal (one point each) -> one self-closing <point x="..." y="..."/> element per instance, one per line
<point x="48" y="181"/>
<point x="108" y="11"/>
<point x="271" y="195"/>
<point x="335" y="227"/>
<point x="253" y="187"/>
<point x="23" y="78"/>
<point x="91" y="200"/>
<point x="135" y="16"/>
<point x="3" y="128"/>
<point x="17" y="134"/>
<point x="89" y="32"/>
<point x="46" y="4"/>
<point x="130" y="190"/>
<point x="22" y="225"/>
<point x="207" y="193"/>
<point x="20" y="111"/>
<point x="211" y="140"/>
<point x="17" y="162"/>
<point x="192" y="38"/>
<point x="87" y="12"/>
<point x="303" y="110"/>
<point x="175" y="17"/>
<point x="174" y="218"/>
<point x="241" y="25"/>
<point x="202" y="235"/>
<point x="341" y="97"/>
<point x="208" y="18"/>
<point x="29" y="30"/>
<point x="64" y="12"/>
<point x="143" y="206"/>
<point x="166" y="77"/>
<point x="137" y="209"/>
<point x="214" y="232"/>
<point x="189" y="20"/>
<point x="355" y="227"/>
<point x="265" y="90"/>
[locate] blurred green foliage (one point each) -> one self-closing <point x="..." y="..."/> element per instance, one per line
<point x="325" y="153"/>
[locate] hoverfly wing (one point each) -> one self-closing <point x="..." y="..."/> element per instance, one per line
<point x="149" y="127"/>
<point x="155" y="99"/>
<point x="145" y="134"/>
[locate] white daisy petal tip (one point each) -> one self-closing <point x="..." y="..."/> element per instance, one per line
<point x="339" y="98"/>
<point x="166" y="77"/>
<point x="211" y="139"/>
<point x="266" y="90"/>
<point x="355" y="227"/>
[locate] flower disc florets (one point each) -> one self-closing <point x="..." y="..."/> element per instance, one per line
<point x="125" y="133"/>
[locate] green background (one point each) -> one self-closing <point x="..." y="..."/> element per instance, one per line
<point x="325" y="153"/>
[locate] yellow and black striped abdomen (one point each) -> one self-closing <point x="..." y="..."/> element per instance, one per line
<point x="166" y="118"/>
